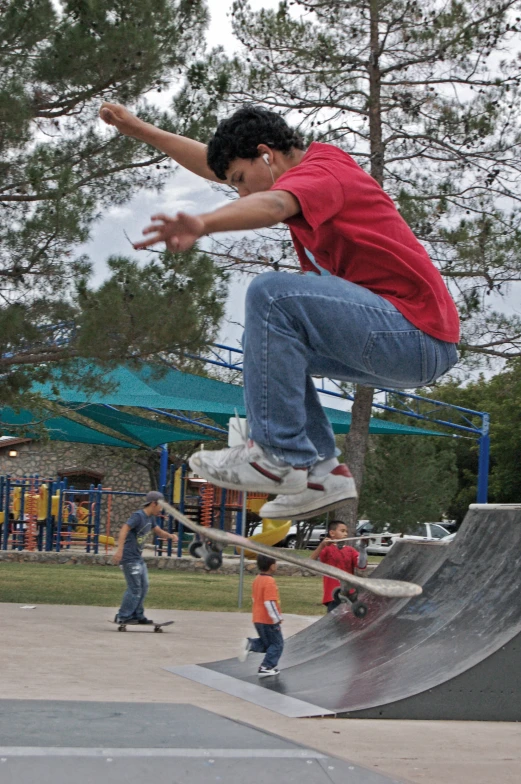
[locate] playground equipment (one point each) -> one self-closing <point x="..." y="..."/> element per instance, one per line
<point x="46" y="514"/>
<point x="220" y="508"/>
<point x="82" y="527"/>
<point x="30" y="508"/>
<point x="273" y="531"/>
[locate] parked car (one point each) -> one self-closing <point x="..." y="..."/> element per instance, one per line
<point x="423" y="532"/>
<point x="381" y="544"/>
<point x="427" y="532"/>
<point x="449" y="538"/>
<point x="317" y="534"/>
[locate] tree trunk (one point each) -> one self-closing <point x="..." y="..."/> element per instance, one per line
<point x="150" y="461"/>
<point x="355" y="448"/>
<point x="357" y="439"/>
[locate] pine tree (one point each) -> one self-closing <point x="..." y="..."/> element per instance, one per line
<point x="60" y="167"/>
<point x="408" y="479"/>
<point x="425" y="96"/>
<point x="500" y="396"/>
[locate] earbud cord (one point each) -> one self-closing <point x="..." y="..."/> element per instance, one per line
<point x="268" y="164"/>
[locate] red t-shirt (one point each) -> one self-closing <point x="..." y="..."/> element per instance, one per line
<point x="354" y="231"/>
<point x="345" y="558"/>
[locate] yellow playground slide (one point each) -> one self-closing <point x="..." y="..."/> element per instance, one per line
<point x="273" y="531"/>
<point x="81" y="531"/>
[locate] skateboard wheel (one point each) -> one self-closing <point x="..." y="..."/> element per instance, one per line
<point x="359" y="610"/>
<point x="338" y="596"/>
<point x="158" y="629"/>
<point x="194" y="549"/>
<point x="213" y="560"/>
<point x="122" y="628"/>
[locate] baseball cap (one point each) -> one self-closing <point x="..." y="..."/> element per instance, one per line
<point x="153" y="495"/>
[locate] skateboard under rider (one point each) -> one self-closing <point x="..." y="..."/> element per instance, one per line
<point x="156" y="627"/>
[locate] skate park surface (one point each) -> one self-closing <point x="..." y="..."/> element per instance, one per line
<point x="80" y="699"/>
<point x="59" y="654"/>
<point x="452" y="653"/>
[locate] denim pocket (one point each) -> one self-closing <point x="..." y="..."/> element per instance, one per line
<point x="400" y="357"/>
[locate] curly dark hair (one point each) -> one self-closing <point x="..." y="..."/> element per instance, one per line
<point x="238" y="136"/>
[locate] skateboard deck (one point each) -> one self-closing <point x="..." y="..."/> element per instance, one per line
<point x="362" y="536"/>
<point x="369" y="537"/>
<point x="156" y="627"/>
<point x="392" y="589"/>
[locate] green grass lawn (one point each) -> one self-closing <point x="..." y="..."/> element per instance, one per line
<point x="103" y="586"/>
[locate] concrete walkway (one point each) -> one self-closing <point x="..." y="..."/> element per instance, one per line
<point x="73" y="653"/>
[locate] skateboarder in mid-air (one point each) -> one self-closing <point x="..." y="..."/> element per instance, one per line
<point x="266" y="619"/>
<point x="331" y="551"/>
<point x="129" y="555"/>
<point x="371" y="309"/>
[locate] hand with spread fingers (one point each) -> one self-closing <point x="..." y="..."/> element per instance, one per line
<point x="179" y="233"/>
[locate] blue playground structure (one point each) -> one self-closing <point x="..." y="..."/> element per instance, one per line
<point x="48" y="515"/>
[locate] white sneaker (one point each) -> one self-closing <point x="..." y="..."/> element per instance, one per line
<point x="265" y="672"/>
<point x="248" y="467"/>
<point x="244" y="650"/>
<point x="321" y="494"/>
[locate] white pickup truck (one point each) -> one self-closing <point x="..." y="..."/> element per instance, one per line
<point x="423" y="532"/>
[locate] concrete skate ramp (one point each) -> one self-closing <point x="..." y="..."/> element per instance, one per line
<point x="452" y="653"/>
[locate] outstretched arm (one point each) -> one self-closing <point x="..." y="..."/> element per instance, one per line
<point x="187" y="152"/>
<point x="162" y="534"/>
<point x="257" y="211"/>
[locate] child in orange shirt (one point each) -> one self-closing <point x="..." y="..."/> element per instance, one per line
<point x="266" y="619"/>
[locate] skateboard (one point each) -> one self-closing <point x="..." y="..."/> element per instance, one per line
<point x="157" y="627"/>
<point x="212" y="541"/>
<point x="372" y="537"/>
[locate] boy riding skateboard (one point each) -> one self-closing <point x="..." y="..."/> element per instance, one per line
<point x="129" y="555"/>
<point x="371" y="309"/>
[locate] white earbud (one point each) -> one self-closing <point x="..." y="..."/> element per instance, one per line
<point x="266" y="159"/>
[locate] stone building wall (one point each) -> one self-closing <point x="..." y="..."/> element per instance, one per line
<point x="118" y="466"/>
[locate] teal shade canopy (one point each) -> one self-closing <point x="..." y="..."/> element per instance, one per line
<point x="162" y="388"/>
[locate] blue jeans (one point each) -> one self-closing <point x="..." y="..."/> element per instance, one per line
<point x="136" y="575"/>
<point x="299" y="326"/>
<point x="270" y="641"/>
